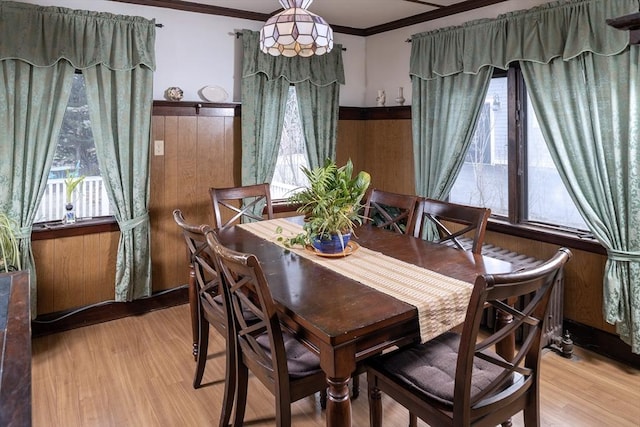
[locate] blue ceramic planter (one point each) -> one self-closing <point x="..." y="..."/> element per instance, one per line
<point x="332" y="246"/>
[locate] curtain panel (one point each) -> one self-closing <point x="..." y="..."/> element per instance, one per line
<point x="558" y="29"/>
<point x="265" y="84"/>
<point x="33" y="101"/>
<point x="592" y="128"/>
<point x="44" y="35"/>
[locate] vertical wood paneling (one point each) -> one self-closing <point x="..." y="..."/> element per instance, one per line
<point x="199" y="153"/>
<point x="211" y="158"/>
<point x="351" y="143"/>
<point x="43" y="253"/>
<point x="388" y="155"/>
<point x="68" y="280"/>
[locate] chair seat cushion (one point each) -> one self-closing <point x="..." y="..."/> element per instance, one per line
<point x="301" y="361"/>
<point x="430" y="368"/>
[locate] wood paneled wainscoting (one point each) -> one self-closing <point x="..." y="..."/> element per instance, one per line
<point x="201" y="148"/>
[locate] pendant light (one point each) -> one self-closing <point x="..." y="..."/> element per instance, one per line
<point x="296" y="32"/>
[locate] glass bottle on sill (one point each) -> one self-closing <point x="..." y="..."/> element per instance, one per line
<point x="69" y="215"/>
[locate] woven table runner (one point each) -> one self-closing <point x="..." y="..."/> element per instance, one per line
<point x="441" y="301"/>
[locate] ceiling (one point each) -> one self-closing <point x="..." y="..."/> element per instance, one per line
<point x="361" y="17"/>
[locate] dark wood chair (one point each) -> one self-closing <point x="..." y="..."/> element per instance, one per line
<point x="452" y="221"/>
<point x="240" y="203"/>
<point x="210" y="307"/>
<point x="274" y="355"/>
<point x="457" y="380"/>
<point x="391" y="211"/>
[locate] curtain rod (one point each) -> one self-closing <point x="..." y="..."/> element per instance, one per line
<point x="239" y="34"/>
<point x="159" y="25"/>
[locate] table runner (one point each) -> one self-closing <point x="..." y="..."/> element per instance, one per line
<point x="441" y="301"/>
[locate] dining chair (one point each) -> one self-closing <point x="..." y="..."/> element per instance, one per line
<point x="391" y="211"/>
<point x="240" y="202"/>
<point x="210" y="307"/>
<point x="273" y="354"/>
<point x="457" y="379"/>
<point x="453" y="222"/>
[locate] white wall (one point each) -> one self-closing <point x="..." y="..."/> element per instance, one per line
<point x="195" y="50"/>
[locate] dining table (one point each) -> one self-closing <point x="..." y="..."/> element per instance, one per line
<point x="340" y="307"/>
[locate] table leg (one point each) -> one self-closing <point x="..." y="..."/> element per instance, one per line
<point x="339" y="403"/>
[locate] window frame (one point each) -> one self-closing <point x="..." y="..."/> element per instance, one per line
<point x="516" y="222"/>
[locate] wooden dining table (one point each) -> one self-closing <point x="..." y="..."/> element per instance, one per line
<point x="342" y="319"/>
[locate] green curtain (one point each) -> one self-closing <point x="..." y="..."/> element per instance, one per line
<point x="120" y="104"/>
<point x="117" y="55"/>
<point x="592" y="127"/>
<point x="319" y="109"/>
<point x="43" y="35"/>
<point x="444" y="113"/>
<point x="572" y="43"/>
<point x="558" y="29"/>
<point x="264" y="99"/>
<point x="265" y="84"/>
<point x="32" y="105"/>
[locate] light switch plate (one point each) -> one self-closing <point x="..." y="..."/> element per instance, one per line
<point x="158" y="148"/>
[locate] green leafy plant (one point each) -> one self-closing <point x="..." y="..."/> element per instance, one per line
<point x="71" y="182"/>
<point x="332" y="201"/>
<point x="9" y="249"/>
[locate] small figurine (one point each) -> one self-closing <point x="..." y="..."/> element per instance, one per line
<point x="381" y="98"/>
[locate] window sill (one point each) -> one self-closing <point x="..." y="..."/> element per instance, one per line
<point x="575" y="240"/>
<point x="55" y="229"/>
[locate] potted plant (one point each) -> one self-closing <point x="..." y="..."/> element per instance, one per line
<point x="71" y="182"/>
<point x="331" y="205"/>
<point x="9" y="249"/>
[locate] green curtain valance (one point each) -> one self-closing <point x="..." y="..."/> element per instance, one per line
<point x="42" y="36"/>
<point x="557" y="29"/>
<point x="320" y="70"/>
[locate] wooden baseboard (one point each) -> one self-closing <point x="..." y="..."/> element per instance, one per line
<point x="52" y="323"/>
<point x="601" y="342"/>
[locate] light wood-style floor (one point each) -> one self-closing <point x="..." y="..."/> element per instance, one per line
<point x="138" y="371"/>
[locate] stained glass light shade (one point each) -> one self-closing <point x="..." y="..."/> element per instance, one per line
<point x="296" y="32"/>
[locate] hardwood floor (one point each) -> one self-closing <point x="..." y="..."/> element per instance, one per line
<point x="138" y="371"/>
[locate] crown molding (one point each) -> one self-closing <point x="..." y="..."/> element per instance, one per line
<point x="444" y="11"/>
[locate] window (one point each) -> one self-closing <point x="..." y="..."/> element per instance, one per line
<point x="500" y="158"/>
<point x="75" y="156"/>
<point x="292" y="153"/>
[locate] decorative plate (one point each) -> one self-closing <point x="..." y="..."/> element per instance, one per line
<point x="348" y="250"/>
<point x="213" y="94"/>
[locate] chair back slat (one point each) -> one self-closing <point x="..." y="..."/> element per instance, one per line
<point x="469" y="220"/>
<point x="234" y="204"/>
<point x="391" y="211"/>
